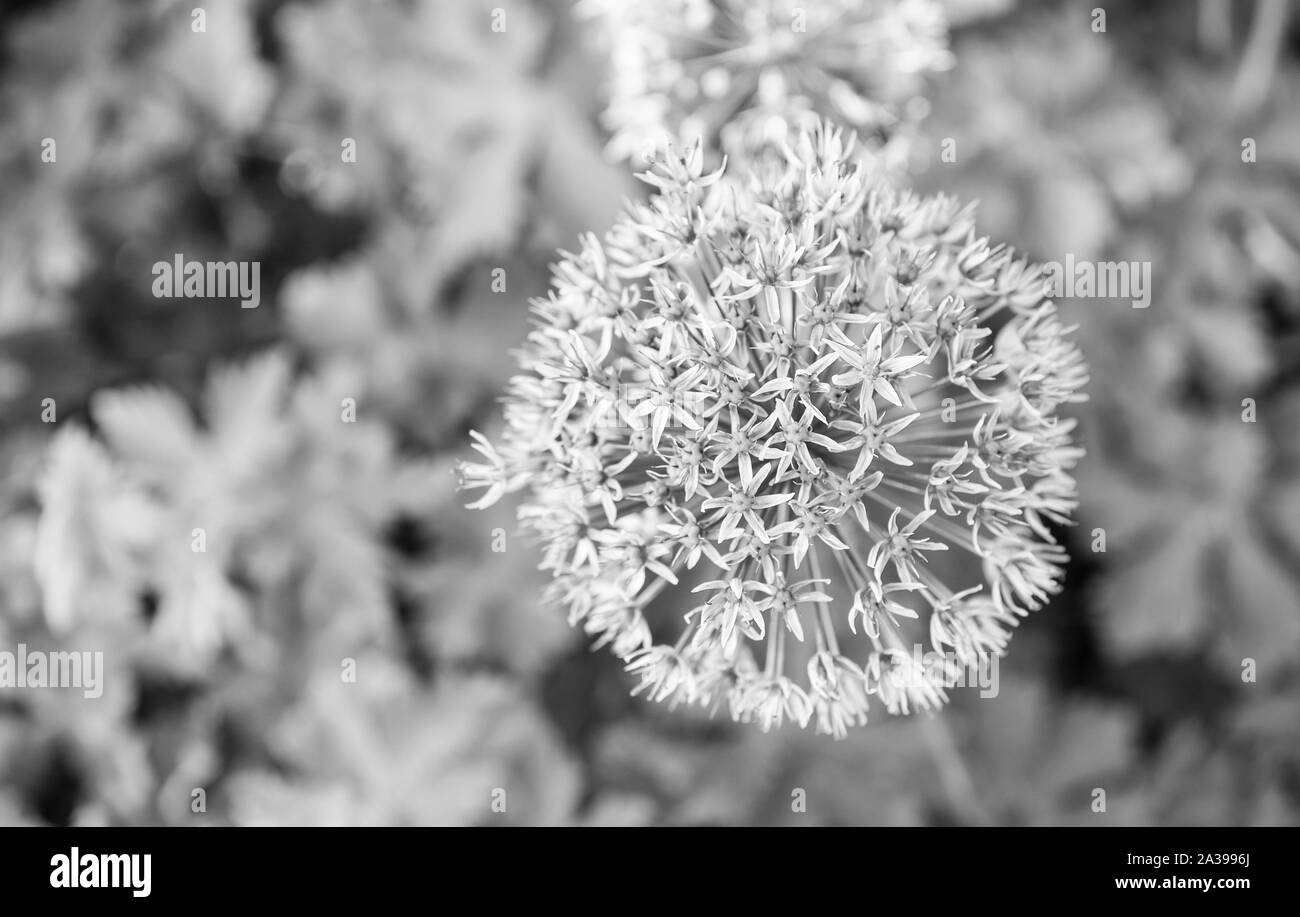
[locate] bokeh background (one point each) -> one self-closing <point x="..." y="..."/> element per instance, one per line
<point x="1167" y="673"/>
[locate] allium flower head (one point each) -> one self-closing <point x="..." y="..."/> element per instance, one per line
<point x="735" y="72"/>
<point x="789" y="396"/>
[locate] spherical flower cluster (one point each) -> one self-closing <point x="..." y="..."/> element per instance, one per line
<point x="736" y="72"/>
<point x="792" y="393"/>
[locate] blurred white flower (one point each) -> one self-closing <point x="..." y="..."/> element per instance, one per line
<point x="736" y="73"/>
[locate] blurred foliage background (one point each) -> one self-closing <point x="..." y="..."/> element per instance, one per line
<point x="478" y="154"/>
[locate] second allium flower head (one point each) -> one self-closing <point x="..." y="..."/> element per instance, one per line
<point x="791" y="392"/>
<point x="735" y="73"/>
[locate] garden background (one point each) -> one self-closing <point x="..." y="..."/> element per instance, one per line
<point x="1167" y="672"/>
